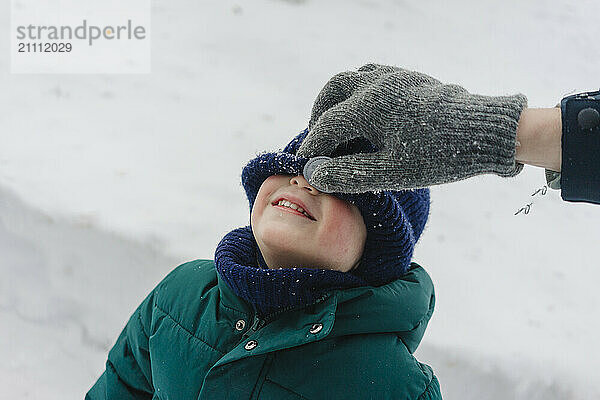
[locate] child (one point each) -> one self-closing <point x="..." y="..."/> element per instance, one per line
<point x="316" y="299"/>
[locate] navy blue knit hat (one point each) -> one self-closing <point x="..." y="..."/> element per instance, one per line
<point x="394" y="219"/>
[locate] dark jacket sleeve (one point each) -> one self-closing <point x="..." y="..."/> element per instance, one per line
<point x="580" y="167"/>
<point x="128" y="374"/>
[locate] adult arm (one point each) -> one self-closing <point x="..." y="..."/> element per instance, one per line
<point x="567" y="148"/>
<point x="538" y="138"/>
<point x="427" y="133"/>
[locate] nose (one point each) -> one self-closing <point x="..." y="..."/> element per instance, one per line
<point x="303" y="184"/>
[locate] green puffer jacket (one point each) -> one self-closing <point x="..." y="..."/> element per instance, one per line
<point x="193" y="338"/>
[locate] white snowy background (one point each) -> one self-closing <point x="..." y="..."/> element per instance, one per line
<point x="108" y="182"/>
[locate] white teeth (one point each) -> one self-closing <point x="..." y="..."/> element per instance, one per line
<point x="286" y="203"/>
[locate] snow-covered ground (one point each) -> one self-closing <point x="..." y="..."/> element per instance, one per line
<point x="107" y="182"/>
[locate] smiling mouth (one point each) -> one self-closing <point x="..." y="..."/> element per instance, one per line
<point x="296" y="212"/>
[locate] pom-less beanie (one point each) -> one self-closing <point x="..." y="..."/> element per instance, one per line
<point x="394" y="222"/>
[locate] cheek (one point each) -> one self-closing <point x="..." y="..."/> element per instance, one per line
<point x="258" y="207"/>
<point x="267" y="188"/>
<point x="344" y="229"/>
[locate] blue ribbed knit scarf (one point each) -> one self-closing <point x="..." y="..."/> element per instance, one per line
<point x="240" y="264"/>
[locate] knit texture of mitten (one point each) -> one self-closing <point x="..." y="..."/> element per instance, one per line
<point x="426" y="132"/>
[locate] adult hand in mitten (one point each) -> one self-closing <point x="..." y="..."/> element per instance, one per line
<point x="425" y="132"/>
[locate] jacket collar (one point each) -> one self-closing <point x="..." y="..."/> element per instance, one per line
<point x="402" y="307"/>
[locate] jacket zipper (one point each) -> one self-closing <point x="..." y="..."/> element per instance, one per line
<point x="258" y="323"/>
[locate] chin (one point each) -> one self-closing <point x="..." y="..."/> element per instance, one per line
<point x="283" y="233"/>
<point x="276" y="239"/>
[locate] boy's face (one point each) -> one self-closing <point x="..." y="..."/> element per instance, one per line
<point x="333" y="238"/>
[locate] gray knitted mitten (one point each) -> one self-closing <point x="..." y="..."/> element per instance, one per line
<point x="426" y="132"/>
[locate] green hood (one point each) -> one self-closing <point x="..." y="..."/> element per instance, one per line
<point x="403" y="307"/>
